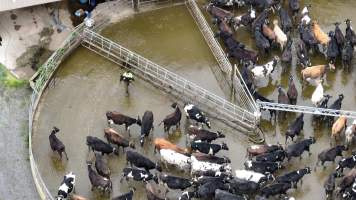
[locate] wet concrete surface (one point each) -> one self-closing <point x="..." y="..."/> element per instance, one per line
<point x="87" y="86"/>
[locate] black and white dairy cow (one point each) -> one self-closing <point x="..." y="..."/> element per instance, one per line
<point x="137" y="175"/>
<point x="178" y="160"/>
<point x="66" y="187"/>
<point x="193" y="112"/>
<point x="293" y="177"/>
<point x="198" y="167"/>
<point x="174" y="182"/>
<point x="208" y="148"/>
<point x="253" y="176"/>
<point x="197" y="133"/>
<point x="262" y="167"/>
<point x="349" y="162"/>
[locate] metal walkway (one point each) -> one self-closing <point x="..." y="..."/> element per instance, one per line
<point x="172" y="83"/>
<point x="306" y="109"/>
<point x="227" y="78"/>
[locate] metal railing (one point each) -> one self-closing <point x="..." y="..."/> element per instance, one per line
<point x="306" y="109"/>
<point x="232" y="79"/>
<point x="170" y="82"/>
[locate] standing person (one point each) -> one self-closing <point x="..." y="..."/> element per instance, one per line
<point x="127" y="77"/>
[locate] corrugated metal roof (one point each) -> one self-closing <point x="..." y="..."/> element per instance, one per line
<point x="14" y="4"/>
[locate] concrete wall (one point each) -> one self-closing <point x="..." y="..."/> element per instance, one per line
<point x="14" y="4"/>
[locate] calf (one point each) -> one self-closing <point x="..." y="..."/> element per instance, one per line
<point x="318" y="93"/>
<point x="211" y="158"/>
<point x="96" y="144"/>
<point x="161" y="143"/>
<point x="297" y="149"/>
<point x="146" y="125"/>
<point x="315" y="72"/>
<point x="198" y="167"/>
<point x="293" y="177"/>
<point x="329" y="185"/>
<point x="347" y="54"/>
<point x="101" y="166"/>
<point x="223" y="195"/>
<point x="349" y="33"/>
<point x="56" y="144"/>
<point x="253" y="176"/>
<point x="255" y="150"/>
<point x="336" y="105"/>
<point x="135" y="158"/>
<point x="208" y="148"/>
<point x="126" y="196"/>
<point x="280" y="35"/>
<point x="66" y="187"/>
<point x="295" y="128"/>
<point x="193" y="112"/>
<point x="137" y="175"/>
<point x="197" y="133"/>
<point x="262" y="167"/>
<point x="239" y="186"/>
<point x="349" y="162"/>
<point x="275" y="156"/>
<point x="178" y="160"/>
<point x="330" y="154"/>
<point x="115" y="117"/>
<point x="99" y="182"/>
<point x="275" y="189"/>
<point x="292" y="92"/>
<point x="174" y="182"/>
<point x="172" y="119"/>
<point x="116" y="138"/>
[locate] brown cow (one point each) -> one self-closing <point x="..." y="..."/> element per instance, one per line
<point x="338" y="126"/>
<point x="161" y="143"/>
<point x="116" y="138"/>
<point x="319" y="34"/>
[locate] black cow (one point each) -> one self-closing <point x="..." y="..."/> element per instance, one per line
<point x="101" y="166"/>
<point x="193" y="112"/>
<point x="244" y="55"/>
<point x="115" y="117"/>
<point x="329" y="185"/>
<point x="239" y="186"/>
<point x="197" y="133"/>
<point x="349" y="162"/>
<point x="303" y="54"/>
<point x="258" y="96"/>
<point x="262" y="167"/>
<point x="254" y="150"/>
<point x="219" y="13"/>
<point x="126" y="196"/>
<point x="282" y="98"/>
<point x="347" y="54"/>
<point x="208" y="148"/>
<point x="262" y="43"/>
<point x="172" y="119"/>
<point x="224" y="195"/>
<point x="323" y="104"/>
<point x="293" y="177"/>
<point x="56" y="144"/>
<point x="275" y="189"/>
<point x="97" y="144"/>
<point x="287" y="53"/>
<point x="97" y="181"/>
<point x="286" y="21"/>
<point x="335" y="106"/>
<point x="333" y="49"/>
<point x="349" y="33"/>
<point x="229" y="41"/>
<point x="295" y="128"/>
<point x="207" y="190"/>
<point x="294" y="5"/>
<point x="211" y="158"/>
<point x="339" y="36"/>
<point x="275" y="156"/>
<point x="292" y="92"/>
<point x="201" y="180"/>
<point x="174" y="182"/>
<point x="308" y="37"/>
<point x="146" y="125"/>
<point x="297" y="149"/>
<point x="330" y="154"/>
<point x="141" y="161"/>
<point x="137" y="175"/>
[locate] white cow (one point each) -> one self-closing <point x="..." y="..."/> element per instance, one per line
<point x="177" y="159"/>
<point x="201" y="166"/>
<point x="318" y="94"/>
<point x="350" y="132"/>
<point x="252" y="176"/>
<point x="281" y="36"/>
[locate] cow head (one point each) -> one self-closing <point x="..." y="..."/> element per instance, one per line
<point x="174" y="105"/>
<point x="55" y="129"/>
<point x="158" y="167"/>
<point x="60" y="197"/>
<point x="116" y="151"/>
<point x="307" y="170"/>
<point x="138" y="120"/>
<point x="270" y="177"/>
<point x="348" y="22"/>
<point x="224" y="146"/>
<point x="312" y="140"/>
<point x="132" y="145"/>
